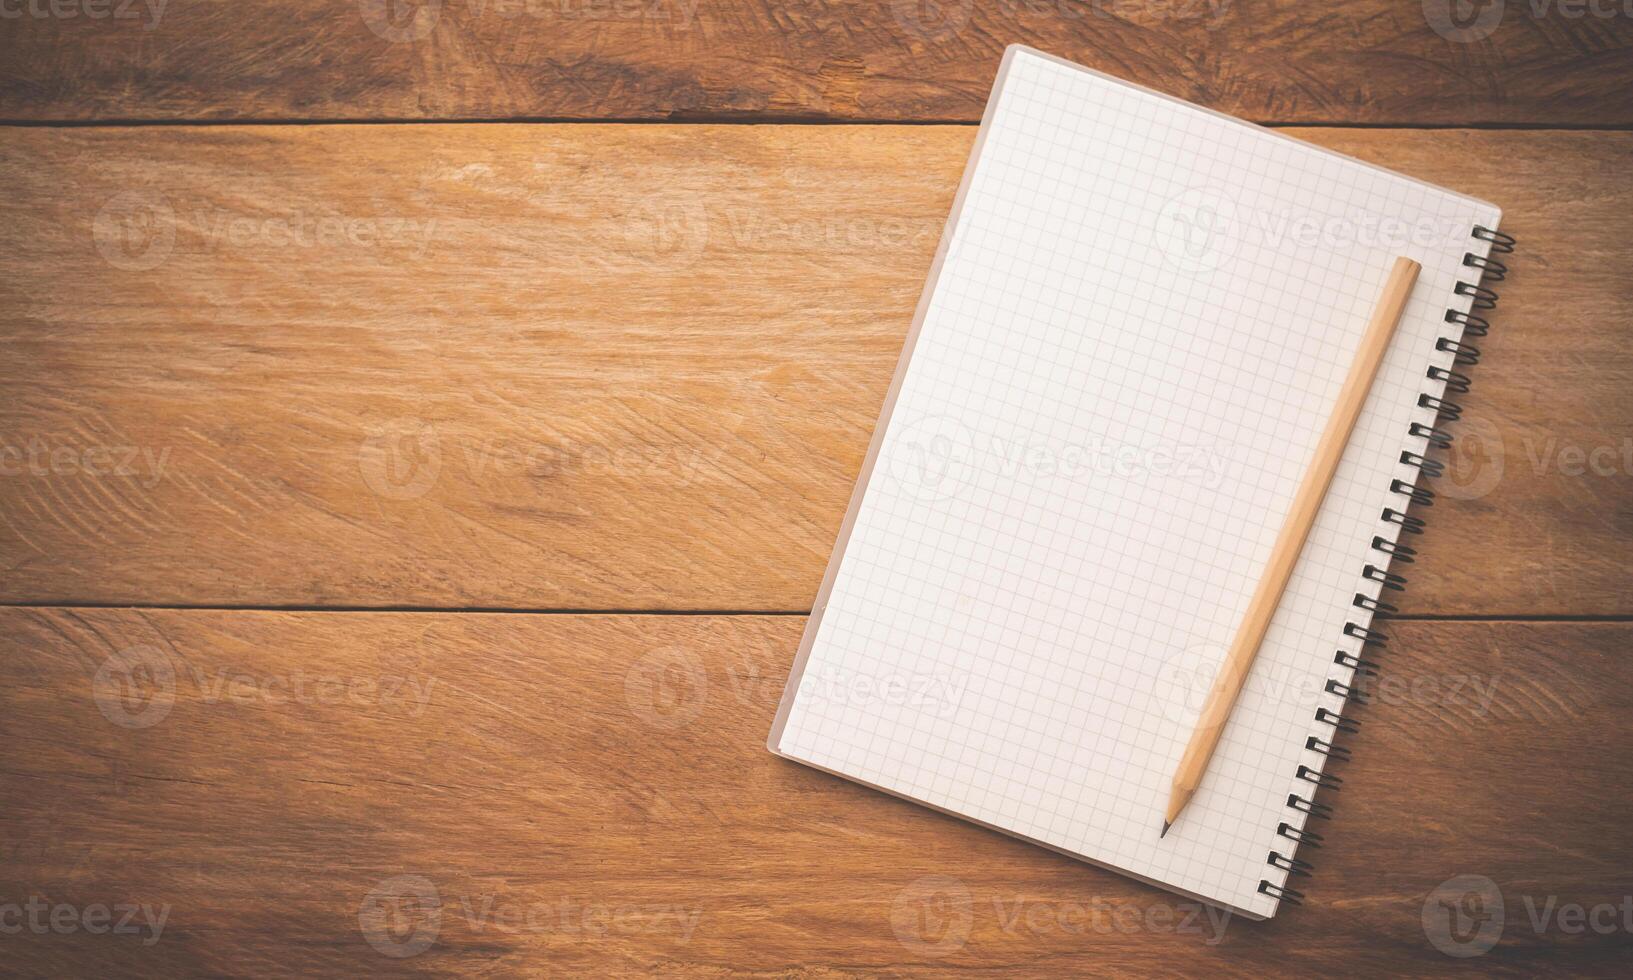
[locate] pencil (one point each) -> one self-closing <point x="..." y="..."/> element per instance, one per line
<point x="1290" y="542"/>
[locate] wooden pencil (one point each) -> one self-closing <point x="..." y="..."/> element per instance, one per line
<point x="1227" y="686"/>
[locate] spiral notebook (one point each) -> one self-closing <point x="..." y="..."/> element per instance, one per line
<point x="1133" y="332"/>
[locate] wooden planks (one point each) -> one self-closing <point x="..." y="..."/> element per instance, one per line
<point x="280" y="782"/>
<point x="575" y="367"/>
<point x="1371" y="61"/>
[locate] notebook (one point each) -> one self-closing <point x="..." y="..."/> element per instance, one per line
<point x="1133" y="333"/>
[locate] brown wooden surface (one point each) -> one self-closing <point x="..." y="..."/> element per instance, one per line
<point x="531" y="763"/>
<point x="1367" y="61"/>
<point x="630" y="367"/>
<point x="602" y="367"/>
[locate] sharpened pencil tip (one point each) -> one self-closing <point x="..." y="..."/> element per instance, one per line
<point x="1165" y="826"/>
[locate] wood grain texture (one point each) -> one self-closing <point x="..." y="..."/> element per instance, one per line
<point x="1368" y="61"/>
<point x="583" y="367"/>
<point x="274" y="779"/>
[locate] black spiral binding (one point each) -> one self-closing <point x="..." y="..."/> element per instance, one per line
<point x="1407" y="492"/>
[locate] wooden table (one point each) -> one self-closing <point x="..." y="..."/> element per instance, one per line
<point x="415" y="476"/>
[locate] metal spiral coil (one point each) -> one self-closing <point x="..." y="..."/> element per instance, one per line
<point x="1453" y="380"/>
<point x="1310" y="807"/>
<point x="1437" y="438"/>
<point x="1371" y="605"/>
<point x="1293" y="866"/>
<point x="1356" y="631"/>
<point x="1429" y="467"/>
<point x="1463" y="355"/>
<point x="1473" y="326"/>
<point x="1365" y="668"/>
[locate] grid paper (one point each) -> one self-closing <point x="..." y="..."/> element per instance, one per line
<point x="1142" y="316"/>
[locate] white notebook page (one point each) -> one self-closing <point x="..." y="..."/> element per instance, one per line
<point x="1136" y="332"/>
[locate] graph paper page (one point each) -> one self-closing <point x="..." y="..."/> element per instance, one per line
<point x="1135" y="334"/>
